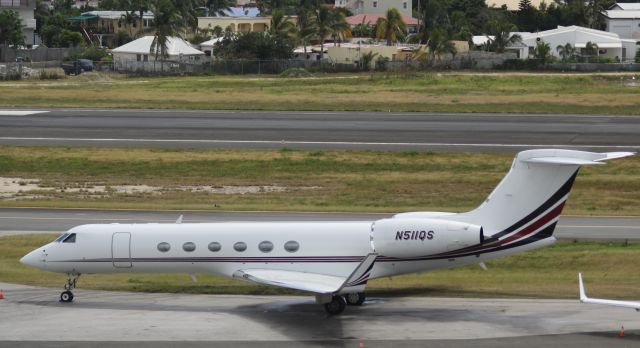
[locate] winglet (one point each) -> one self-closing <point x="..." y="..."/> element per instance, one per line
<point x="583" y="295"/>
<point x="179" y="221"/>
<point x="361" y="274"/>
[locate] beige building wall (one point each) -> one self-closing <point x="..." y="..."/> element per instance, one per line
<point x="376" y="6"/>
<point x="350" y="54"/>
<point x="237" y="24"/>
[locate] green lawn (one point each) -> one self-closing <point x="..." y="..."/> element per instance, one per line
<point x="609" y="270"/>
<point x="352" y="181"/>
<point x="412" y="91"/>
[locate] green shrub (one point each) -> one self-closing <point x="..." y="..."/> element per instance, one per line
<point x="296" y="72"/>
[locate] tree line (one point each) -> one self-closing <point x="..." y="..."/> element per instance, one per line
<point x="439" y="22"/>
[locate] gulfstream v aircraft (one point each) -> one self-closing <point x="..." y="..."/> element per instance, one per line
<point x="334" y="260"/>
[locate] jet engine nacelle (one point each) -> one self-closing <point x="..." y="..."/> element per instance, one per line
<point x="414" y="237"/>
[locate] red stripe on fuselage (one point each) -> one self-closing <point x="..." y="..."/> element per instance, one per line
<point x="534" y="226"/>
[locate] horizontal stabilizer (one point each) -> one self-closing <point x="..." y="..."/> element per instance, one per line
<point x="570" y="157"/>
<point x="585" y="299"/>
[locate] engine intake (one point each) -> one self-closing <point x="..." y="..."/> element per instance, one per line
<point x="422" y="237"/>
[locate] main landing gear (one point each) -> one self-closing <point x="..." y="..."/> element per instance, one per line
<point x="67" y="295"/>
<point x="338" y="303"/>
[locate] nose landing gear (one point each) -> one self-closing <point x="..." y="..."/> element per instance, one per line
<point x="67" y="295"/>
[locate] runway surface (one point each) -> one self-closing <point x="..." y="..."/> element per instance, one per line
<point x="34" y="220"/>
<point x="318" y="130"/>
<point x="33" y="313"/>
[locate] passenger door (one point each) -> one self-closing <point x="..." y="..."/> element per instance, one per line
<point x="121" y="250"/>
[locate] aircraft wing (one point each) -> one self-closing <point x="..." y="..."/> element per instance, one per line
<point x="585" y="299"/>
<point x="307" y="281"/>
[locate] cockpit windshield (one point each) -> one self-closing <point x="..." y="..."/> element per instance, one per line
<point x="66" y="238"/>
<point x="59" y="239"/>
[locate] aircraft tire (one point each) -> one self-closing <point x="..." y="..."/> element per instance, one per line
<point x="336" y="306"/>
<point x="66" y="296"/>
<point x="355" y="298"/>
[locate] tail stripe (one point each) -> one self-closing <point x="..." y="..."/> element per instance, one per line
<point x="562" y="192"/>
<point x="554" y="213"/>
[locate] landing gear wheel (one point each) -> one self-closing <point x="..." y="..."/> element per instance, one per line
<point x="66" y="296"/>
<point x="355" y="298"/>
<point x="336" y="306"/>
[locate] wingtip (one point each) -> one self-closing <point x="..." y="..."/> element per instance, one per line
<point x="583" y="296"/>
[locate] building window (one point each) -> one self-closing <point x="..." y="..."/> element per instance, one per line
<point x="404" y="5"/>
<point x="265" y="246"/>
<point x="145" y="58"/>
<point x="164" y="247"/>
<point x="240" y="246"/>
<point x="189" y="246"/>
<point x="138" y="57"/>
<point x="375" y="4"/>
<point x="215" y="246"/>
<point x="291" y="246"/>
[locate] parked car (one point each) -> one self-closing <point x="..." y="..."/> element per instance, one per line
<point x="77" y="67"/>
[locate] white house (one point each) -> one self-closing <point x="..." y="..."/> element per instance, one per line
<point x="376" y="6"/>
<point x="178" y="50"/>
<point x="25" y="9"/>
<point x="609" y="44"/>
<point x="207" y="46"/>
<point x="632" y="6"/>
<point x="625" y="23"/>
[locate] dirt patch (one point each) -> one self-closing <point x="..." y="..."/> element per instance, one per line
<point x="19" y="188"/>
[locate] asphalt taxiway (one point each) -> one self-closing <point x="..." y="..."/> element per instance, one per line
<point x="452" y="132"/>
<point x="34" y="314"/>
<point x="35" y="220"/>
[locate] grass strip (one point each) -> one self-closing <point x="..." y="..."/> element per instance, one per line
<point x="350" y="181"/>
<point x="402" y="92"/>
<point x="545" y="273"/>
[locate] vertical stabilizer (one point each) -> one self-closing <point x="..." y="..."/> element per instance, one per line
<point x="529" y="199"/>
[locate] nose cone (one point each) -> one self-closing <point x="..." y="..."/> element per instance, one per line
<point x="33" y="259"/>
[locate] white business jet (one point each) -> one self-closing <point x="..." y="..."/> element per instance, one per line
<point x="333" y="260"/>
<point x="585" y="299"/>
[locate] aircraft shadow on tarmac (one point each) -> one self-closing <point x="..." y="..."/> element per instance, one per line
<point x="301" y="319"/>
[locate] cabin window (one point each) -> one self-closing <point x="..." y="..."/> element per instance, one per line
<point x="291" y="246"/>
<point x="215" y="246"/>
<point x="240" y="246"/>
<point x="59" y="239"/>
<point x="164" y="247"/>
<point x="70" y="238"/>
<point x="265" y="246"/>
<point x="189" y="246"/>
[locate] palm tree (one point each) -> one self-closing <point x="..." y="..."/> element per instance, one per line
<point x="306" y="26"/>
<point x="566" y="52"/>
<point x="502" y="38"/>
<point x="281" y="26"/>
<point x="325" y="19"/>
<point x="391" y="27"/>
<point x="129" y="18"/>
<point x="366" y="59"/>
<point x="439" y="44"/>
<point x="542" y="52"/>
<point x="166" y="23"/>
<point x="141" y="6"/>
<point x="591" y="49"/>
<point x="340" y="28"/>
